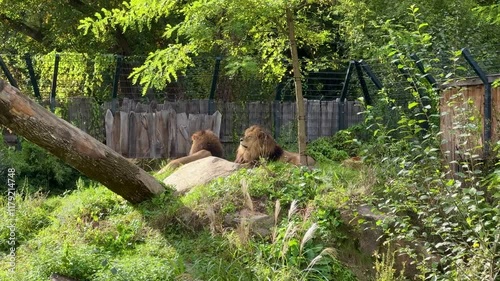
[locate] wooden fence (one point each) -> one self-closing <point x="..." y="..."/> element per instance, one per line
<point x="160" y="134"/>
<point x="462" y="115"/>
<point x="153" y="130"/>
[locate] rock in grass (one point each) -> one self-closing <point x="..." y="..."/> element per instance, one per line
<point x="200" y="172"/>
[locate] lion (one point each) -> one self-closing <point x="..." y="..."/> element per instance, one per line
<point x="205" y="144"/>
<point x="256" y="143"/>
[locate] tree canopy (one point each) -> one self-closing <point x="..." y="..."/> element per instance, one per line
<point x="252" y="35"/>
<point x="38" y="26"/>
<point x="249" y="34"/>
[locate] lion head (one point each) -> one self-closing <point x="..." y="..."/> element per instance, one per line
<point x="257" y="143"/>
<point x="206" y="140"/>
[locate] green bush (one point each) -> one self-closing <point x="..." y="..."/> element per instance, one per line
<point x="452" y="208"/>
<point x="342" y="145"/>
<point x="36" y="169"/>
<point x="323" y="150"/>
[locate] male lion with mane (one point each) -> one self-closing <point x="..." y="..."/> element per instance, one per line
<point x="205" y="144"/>
<point x="256" y="143"/>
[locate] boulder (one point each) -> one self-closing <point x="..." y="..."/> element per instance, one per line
<point x="200" y="172"/>
<point x="370" y="239"/>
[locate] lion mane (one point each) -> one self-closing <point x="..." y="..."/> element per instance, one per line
<point x="257" y="143"/>
<point x="206" y="140"/>
<point x="205" y="144"/>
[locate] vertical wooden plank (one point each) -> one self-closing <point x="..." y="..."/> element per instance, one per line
<point x="132" y="105"/>
<point x="153" y="106"/>
<point x="116" y="132"/>
<point x="325" y="119"/>
<point x="182" y="140"/>
<point x="132" y="136"/>
<point x="349" y="113"/>
<point x="495" y="94"/>
<point x="86" y="113"/>
<point x="125" y="105"/>
<point x="288" y="117"/>
<point x="211" y="122"/>
<point x="206" y="122"/>
<point x="254" y="114"/>
<point x="194" y="124"/>
<point x="217" y="116"/>
<point x="160" y="135"/>
<point x="172" y="132"/>
<point x="166" y="133"/>
<point x="143" y="142"/>
<point x="72" y="112"/>
<point x="358" y="110"/>
<point x="181" y="106"/>
<point x="169" y="105"/>
<point x="204" y="106"/>
<point x="153" y="139"/>
<point x="265" y="112"/>
<point x="313" y="119"/>
<point x="193" y="107"/>
<point x="105" y="106"/>
<point x="242" y="112"/>
<point x="227" y="128"/>
<point x="277" y="120"/>
<point x="353" y="118"/>
<point x="108" y="124"/>
<point x="142" y="108"/>
<point x="124" y="125"/>
<point x="334" y="107"/>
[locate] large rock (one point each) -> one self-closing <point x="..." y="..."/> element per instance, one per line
<point x="200" y="172"/>
<point x="370" y="238"/>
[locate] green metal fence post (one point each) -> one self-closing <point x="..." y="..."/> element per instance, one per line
<point x="5" y="69"/>
<point x="372" y="75"/>
<point x="427" y="75"/>
<point x="362" y="81"/>
<point x="213" y="87"/>
<point x="31" y="71"/>
<point x="341" y="108"/>
<point x="54" y="84"/>
<point x="116" y="80"/>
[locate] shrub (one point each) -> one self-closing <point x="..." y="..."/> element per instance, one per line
<point x="455" y="213"/>
<point x="36" y="169"/>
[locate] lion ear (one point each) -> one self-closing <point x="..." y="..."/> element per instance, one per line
<point x="262" y="135"/>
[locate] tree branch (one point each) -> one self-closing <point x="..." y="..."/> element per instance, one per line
<point x="82" y="7"/>
<point x="20" y="26"/>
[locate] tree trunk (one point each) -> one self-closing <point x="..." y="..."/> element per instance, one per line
<point x="75" y="147"/>
<point x="297" y="77"/>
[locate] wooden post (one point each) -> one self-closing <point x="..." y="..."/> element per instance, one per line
<point x="75" y="147"/>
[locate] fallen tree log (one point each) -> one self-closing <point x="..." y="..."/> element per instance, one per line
<point x="75" y="147"/>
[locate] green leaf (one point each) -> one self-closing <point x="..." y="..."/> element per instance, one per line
<point x="422" y="25"/>
<point x="412" y="105"/>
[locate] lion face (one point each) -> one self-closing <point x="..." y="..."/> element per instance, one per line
<point x="255" y="143"/>
<point x="255" y="137"/>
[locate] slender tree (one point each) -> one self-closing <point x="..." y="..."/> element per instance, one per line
<point x="297" y="77"/>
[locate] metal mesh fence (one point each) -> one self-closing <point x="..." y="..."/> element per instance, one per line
<point x="67" y="75"/>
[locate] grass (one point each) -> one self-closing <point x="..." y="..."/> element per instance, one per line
<point x="93" y="234"/>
